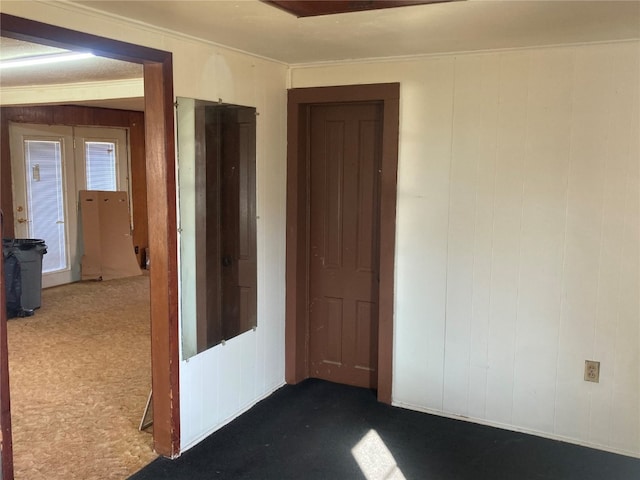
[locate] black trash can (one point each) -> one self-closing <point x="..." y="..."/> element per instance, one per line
<point x="12" y="285"/>
<point x="23" y="271"/>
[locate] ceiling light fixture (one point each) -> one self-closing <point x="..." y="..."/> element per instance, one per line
<point x="45" y="59"/>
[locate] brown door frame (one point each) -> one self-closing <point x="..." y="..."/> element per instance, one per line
<point x="161" y="195"/>
<point x="6" y="445"/>
<point x="297" y="270"/>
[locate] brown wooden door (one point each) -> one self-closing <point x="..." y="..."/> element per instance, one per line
<point x="345" y="152"/>
<point x="225" y="224"/>
<point x="237" y="222"/>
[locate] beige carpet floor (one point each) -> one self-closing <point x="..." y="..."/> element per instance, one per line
<point x="80" y="373"/>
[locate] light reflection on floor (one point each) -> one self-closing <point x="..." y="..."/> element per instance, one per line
<point x="375" y="460"/>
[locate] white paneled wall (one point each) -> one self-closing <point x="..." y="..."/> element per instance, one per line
<point x="222" y="382"/>
<point x="518" y="237"/>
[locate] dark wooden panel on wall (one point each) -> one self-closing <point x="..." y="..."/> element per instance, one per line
<point x="6" y="198"/>
<point x="82" y="116"/>
<point x="6" y="441"/>
<point x="311" y="8"/>
<point x="226" y="276"/>
<point x="139" y="185"/>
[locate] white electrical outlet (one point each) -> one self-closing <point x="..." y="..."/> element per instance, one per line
<point x="591" y="371"/>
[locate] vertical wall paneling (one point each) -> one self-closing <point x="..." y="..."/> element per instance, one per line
<point x="462" y="212"/>
<point x="518" y="237"/>
<point x="227" y="379"/>
<point x="590" y="120"/>
<point x="210" y="388"/>
<point x="470" y="217"/>
<point x="191" y="411"/>
<point x="271" y="188"/>
<point x="426" y="99"/>
<point x="624" y="214"/>
<point x="486" y="153"/>
<point x="506" y="233"/>
<point x="543" y="234"/>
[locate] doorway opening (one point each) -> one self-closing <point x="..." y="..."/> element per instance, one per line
<point x="85" y="355"/>
<point x="161" y="194"/>
<point x="299" y="310"/>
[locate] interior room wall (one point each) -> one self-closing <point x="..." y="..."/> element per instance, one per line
<point x="220" y="383"/>
<point x="517" y="237"/>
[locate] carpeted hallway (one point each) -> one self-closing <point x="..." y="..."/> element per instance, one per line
<point x="322" y="431"/>
<point x="80" y="372"/>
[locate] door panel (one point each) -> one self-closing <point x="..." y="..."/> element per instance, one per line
<point x="237" y="222"/>
<point x="345" y="148"/>
<point x="226" y="299"/>
<point x="43" y="196"/>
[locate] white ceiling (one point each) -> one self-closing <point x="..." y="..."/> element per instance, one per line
<point x="255" y="27"/>
<point x="260" y="29"/>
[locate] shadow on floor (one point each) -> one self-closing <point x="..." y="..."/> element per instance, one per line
<point x="321" y="430"/>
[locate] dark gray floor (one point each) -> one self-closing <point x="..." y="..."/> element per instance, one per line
<point x="309" y="431"/>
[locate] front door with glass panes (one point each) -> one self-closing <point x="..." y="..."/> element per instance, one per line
<point x="49" y="165"/>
